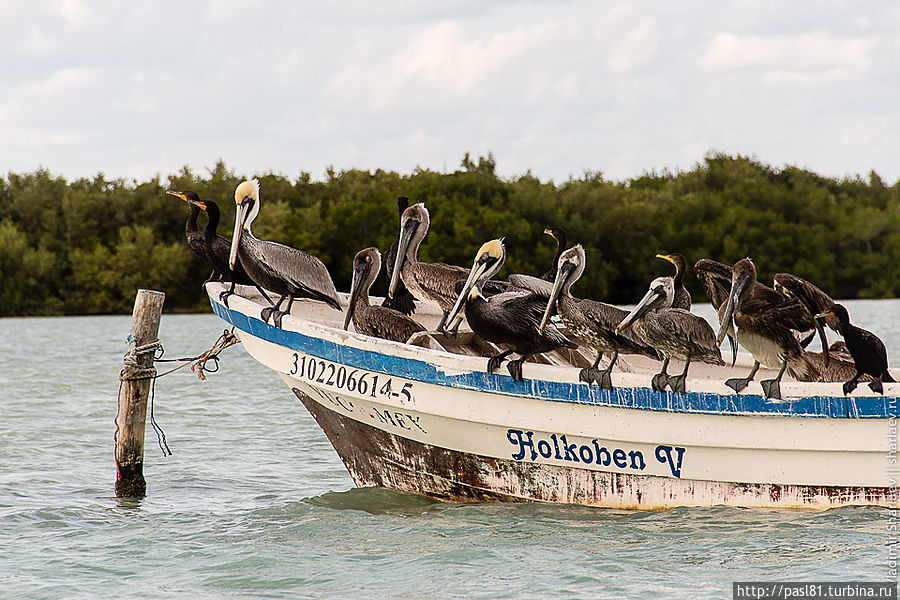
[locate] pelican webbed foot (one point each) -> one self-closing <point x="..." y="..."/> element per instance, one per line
<point x="661" y="379"/>
<point x="772" y="387"/>
<point x="738" y="384"/>
<point x="676" y="383"/>
<point x="849" y="386"/>
<point x="495" y="361"/>
<point x="515" y="369"/>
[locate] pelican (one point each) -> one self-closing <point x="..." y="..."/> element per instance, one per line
<point x="434" y="283"/>
<point x="402" y="300"/>
<point x="813" y="299"/>
<point x="674" y="332"/>
<point x="508" y="318"/>
<point x="286" y="271"/>
<point x="214" y="248"/>
<point x="592" y="323"/>
<point x="764" y="324"/>
<point x="682" y="297"/>
<point x="866" y="348"/>
<point x="543" y="284"/>
<point x="377" y="321"/>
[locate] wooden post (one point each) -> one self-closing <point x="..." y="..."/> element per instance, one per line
<point x="136" y="380"/>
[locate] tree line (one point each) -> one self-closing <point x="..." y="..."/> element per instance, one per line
<point x="85" y="246"/>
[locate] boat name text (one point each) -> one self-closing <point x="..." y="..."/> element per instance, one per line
<point x="559" y="448"/>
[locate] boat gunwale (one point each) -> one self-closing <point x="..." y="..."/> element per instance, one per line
<point x="459" y="371"/>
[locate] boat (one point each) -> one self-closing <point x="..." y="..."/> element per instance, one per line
<point x="425" y="417"/>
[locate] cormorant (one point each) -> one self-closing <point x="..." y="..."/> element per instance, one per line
<point x="866" y="348"/>
<point x="214" y="248"/>
<point x="682" y="297"/>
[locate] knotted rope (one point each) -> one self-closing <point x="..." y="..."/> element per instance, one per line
<point x="133" y="371"/>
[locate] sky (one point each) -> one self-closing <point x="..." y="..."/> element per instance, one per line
<point x="135" y="90"/>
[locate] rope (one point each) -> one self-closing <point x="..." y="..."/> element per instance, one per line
<point x="132" y="371"/>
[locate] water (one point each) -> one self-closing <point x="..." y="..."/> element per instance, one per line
<point x="254" y="503"/>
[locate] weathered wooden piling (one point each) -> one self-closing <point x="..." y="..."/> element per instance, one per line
<point x="136" y="378"/>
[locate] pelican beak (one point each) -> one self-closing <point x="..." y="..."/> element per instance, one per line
<point x="478" y="268"/>
<point x="549" y="232"/>
<point x="406" y="233"/>
<point x="667" y="257"/>
<point x="355" y="285"/>
<point x="562" y="275"/>
<point x="242" y="210"/>
<point x="738" y="283"/>
<point x="652" y="296"/>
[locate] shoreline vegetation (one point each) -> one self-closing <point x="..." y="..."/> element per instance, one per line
<point x="85" y="246"/>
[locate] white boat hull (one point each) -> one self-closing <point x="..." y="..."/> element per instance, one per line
<point x="434" y="423"/>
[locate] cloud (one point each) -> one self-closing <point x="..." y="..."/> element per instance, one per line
<point x="806" y="56"/>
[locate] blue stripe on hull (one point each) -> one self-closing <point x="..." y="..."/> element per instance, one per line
<point x="642" y="398"/>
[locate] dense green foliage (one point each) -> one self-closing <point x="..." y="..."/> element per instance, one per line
<point x="84" y="247"/>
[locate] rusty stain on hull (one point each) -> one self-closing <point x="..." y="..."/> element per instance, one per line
<point x="377" y="458"/>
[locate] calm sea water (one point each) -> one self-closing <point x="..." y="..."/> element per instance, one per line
<point x="254" y="503"/>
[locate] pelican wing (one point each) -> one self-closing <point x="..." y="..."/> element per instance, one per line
<point x="388" y="324"/>
<point x="716" y="280"/>
<point x="533" y="284"/>
<point x="299" y="269"/>
<point x="683" y="334"/>
<point x="525" y="311"/>
<point x="813" y="298"/>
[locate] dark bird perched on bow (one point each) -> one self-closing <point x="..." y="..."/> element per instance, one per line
<point x="543" y="284"/>
<point x="673" y="332"/>
<point x="433" y="283"/>
<point x="210" y="246"/>
<point x="866" y="348"/>
<point x="508" y="318"/>
<point x="764" y="324"/>
<point x="814" y="300"/>
<point x="287" y="271"/>
<point x="402" y="299"/>
<point x="590" y="322"/>
<point x="682" y="297"/>
<point x="377" y="321"/>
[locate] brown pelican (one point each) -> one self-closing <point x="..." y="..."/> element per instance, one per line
<point x="543" y="284"/>
<point x="674" y="332"/>
<point x="402" y="299"/>
<point x="286" y="271"/>
<point x="508" y="318"/>
<point x="813" y="299"/>
<point x="592" y="323"/>
<point x="377" y="321"/>
<point x="434" y="283"/>
<point x="682" y="297"/>
<point x="764" y="324"/>
<point x="866" y="348"/>
<point x="214" y="248"/>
